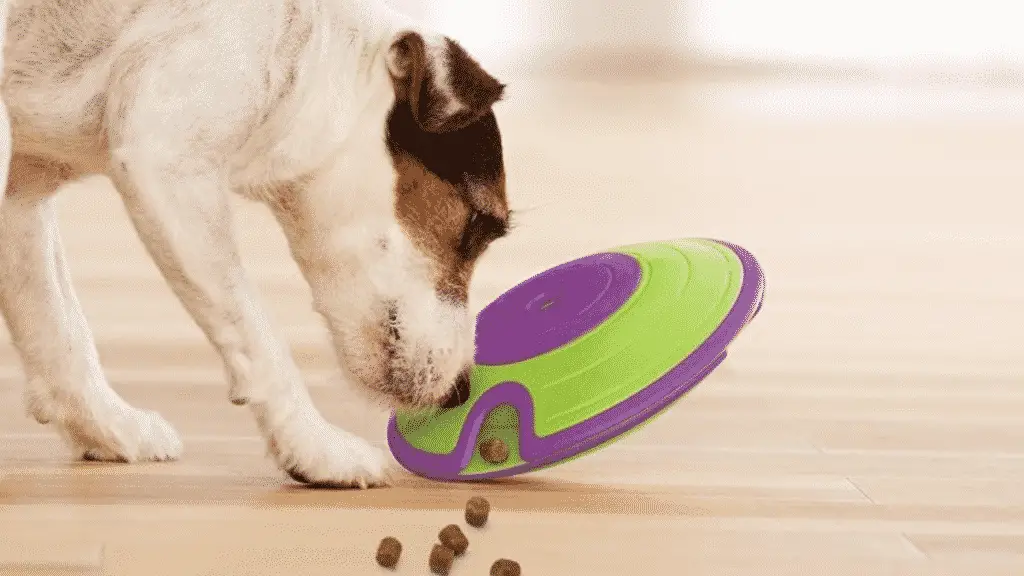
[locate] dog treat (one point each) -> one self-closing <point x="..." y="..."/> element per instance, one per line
<point x="494" y="451"/>
<point x="505" y="567"/>
<point x="441" y="559"/>
<point x="453" y="539"/>
<point x="388" y="552"/>
<point x="477" y="511"/>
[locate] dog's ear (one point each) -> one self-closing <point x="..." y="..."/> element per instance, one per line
<point x="444" y="86"/>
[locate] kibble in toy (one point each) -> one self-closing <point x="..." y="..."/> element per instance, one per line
<point x="493" y="451"/>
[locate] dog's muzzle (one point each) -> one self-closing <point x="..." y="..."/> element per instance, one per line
<point x="459" y="394"/>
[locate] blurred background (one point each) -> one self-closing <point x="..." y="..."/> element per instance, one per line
<point x="875" y="36"/>
<point x="870" y="154"/>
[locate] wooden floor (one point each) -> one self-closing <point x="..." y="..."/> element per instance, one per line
<point x="869" y="423"/>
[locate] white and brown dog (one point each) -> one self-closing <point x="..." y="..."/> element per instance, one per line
<point x="372" y="141"/>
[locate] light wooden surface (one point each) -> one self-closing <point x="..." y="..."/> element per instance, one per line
<point x="869" y="423"/>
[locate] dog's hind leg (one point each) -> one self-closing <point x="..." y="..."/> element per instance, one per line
<point x="66" y="385"/>
<point x="6" y="145"/>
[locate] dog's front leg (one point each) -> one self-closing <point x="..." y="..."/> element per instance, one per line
<point x="183" y="218"/>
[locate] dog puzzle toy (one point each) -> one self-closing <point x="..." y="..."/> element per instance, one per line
<point x="578" y="356"/>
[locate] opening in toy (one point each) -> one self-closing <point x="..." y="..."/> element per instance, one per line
<point x="502" y="424"/>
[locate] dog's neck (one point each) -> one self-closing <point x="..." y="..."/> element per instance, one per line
<point x="318" y="160"/>
<point x="333" y="86"/>
<point x="361" y="30"/>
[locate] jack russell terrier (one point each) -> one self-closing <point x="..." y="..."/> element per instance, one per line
<point x="372" y="141"/>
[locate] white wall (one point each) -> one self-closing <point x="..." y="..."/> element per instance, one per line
<point x="875" y="32"/>
<point x="892" y="32"/>
<point x="499" y="29"/>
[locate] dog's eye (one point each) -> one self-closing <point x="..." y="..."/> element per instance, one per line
<point x="468" y="236"/>
<point x="481" y="229"/>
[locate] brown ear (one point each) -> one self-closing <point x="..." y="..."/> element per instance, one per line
<point x="445" y="87"/>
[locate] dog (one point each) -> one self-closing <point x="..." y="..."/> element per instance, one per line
<point x="372" y="140"/>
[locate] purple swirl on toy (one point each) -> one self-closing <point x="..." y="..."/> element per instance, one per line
<point x="538" y="452"/>
<point x="554" y="308"/>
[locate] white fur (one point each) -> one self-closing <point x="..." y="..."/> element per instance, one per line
<point x="192" y="112"/>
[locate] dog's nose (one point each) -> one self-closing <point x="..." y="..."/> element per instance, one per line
<point x="459" y="394"/>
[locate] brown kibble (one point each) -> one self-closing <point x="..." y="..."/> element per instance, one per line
<point x="453" y="539"/>
<point x="494" y="451"/>
<point x="389" y="551"/>
<point x="477" y="511"/>
<point x="505" y="567"/>
<point x="441" y="559"/>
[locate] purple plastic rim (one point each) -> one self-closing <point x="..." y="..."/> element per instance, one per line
<point x="589" y="434"/>
<point x="555" y="307"/>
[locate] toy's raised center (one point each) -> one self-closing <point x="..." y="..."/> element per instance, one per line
<point x="541" y="302"/>
<point x="554" y="308"/>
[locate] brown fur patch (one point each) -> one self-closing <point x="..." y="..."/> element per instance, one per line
<point x="472" y="86"/>
<point x="450" y="195"/>
<point x="467" y="94"/>
<point x="434" y="213"/>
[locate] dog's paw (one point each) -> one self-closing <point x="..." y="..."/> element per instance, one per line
<point x="322" y="455"/>
<point x="39" y="406"/>
<point x="122" y="434"/>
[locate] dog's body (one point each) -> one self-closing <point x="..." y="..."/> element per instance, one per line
<point x="372" y="142"/>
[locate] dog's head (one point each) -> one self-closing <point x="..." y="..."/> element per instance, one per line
<point x="393" y="272"/>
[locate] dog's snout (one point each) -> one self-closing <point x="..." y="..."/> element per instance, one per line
<point x="459" y="393"/>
